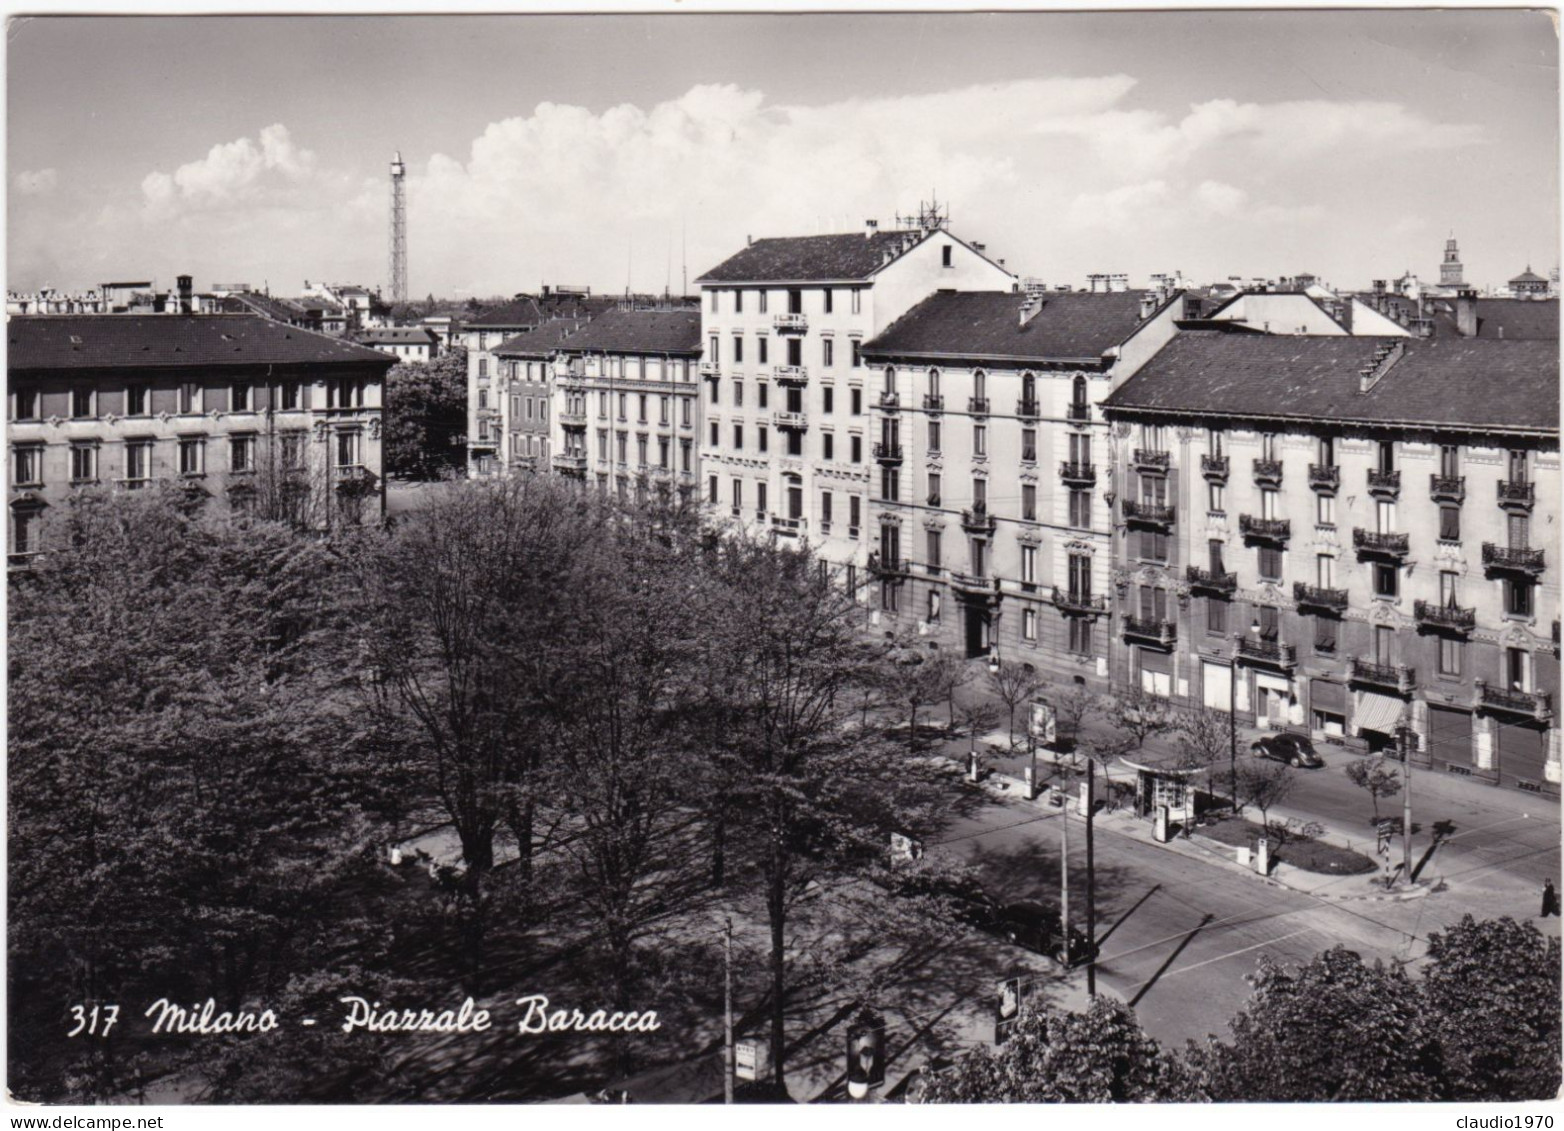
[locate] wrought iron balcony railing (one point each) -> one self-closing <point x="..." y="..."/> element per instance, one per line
<point x="1148" y="514"/>
<point x="1260" y="650"/>
<point x="1520" y="559"/>
<point x="1027" y="410"/>
<point x="934" y="402"/>
<point x="1158" y="631"/>
<point x="1078" y="412"/>
<point x="1083" y="473"/>
<point x="1146" y="459"/>
<point x="790" y="374"/>
<point x="1268" y="471"/>
<point x="1078" y="604"/>
<point x="1384" y="482"/>
<point x="1517" y="493"/>
<point x="977" y="520"/>
<point x="1535" y="704"/>
<point x="1323" y="478"/>
<point x="1214" y="467"/>
<point x="1396" y="676"/>
<point x="1269" y="529"/>
<point x="1320" y="597"/>
<point x="795" y="420"/>
<point x="790" y="323"/>
<point x="1375" y="542"/>
<point x="887" y="453"/>
<point x="1210" y="580"/>
<point x="1447" y="488"/>
<point x="978" y="406"/>
<point x="1433" y="614"/>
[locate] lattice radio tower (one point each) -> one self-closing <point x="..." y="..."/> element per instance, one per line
<point x="398" y="230"/>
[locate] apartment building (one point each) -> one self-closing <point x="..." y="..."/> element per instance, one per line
<point x="412" y="344"/>
<point x="627" y="405"/>
<point x="986" y="516"/>
<point x="1346" y="536"/>
<point x="232" y="406"/>
<point x="787" y="431"/>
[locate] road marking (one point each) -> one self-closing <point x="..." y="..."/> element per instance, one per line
<point x="1225" y="957"/>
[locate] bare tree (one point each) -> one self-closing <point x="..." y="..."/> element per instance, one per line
<point x="1072" y="708"/>
<point x="1013" y="683"/>
<point x="1204" y="739"/>
<point x="954" y="673"/>
<point x="1140" y="715"/>
<point x="1379" y="779"/>
<point x="1264" y="784"/>
<point x="914" y="678"/>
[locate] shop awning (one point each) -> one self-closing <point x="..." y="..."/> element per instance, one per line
<point x="1327" y="696"/>
<point x="1377" y="712"/>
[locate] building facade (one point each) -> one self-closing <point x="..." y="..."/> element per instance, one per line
<point x="415" y="344"/>
<point x="786" y="440"/>
<point x="626" y="403"/>
<point x="987" y="517"/>
<point x="1346" y="536"/>
<point x="237" y="408"/>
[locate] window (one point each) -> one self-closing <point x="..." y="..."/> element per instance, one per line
<point x="1080" y="507"/>
<point x="933" y="547"/>
<point x="1214" y="556"/>
<point x="714" y="349"/>
<point x="1081" y="576"/>
<point x="1029" y="502"/>
<point x="1386" y="456"/>
<point x="890" y="485"/>
<point x="762" y="437"/>
<point x="293" y="451"/>
<point x="714" y="302"/>
<point x="1270" y="622"/>
<point x="622" y="440"/>
<point x="713" y="429"/>
<point x="979" y="440"/>
<point x="1078" y="397"/>
<point x="1216" y="616"/>
<point x="945" y="253"/>
<point x="1029" y="445"/>
<point x="979" y="385"/>
<point x="889" y="591"/>
<point x="1325" y="510"/>
<point x="934" y="486"/>
<point x="1450" y="655"/>
<point x="738" y="305"/>
<point x="828" y="399"/>
<point x="890" y="380"/>
<point x="1270" y="563"/>
<point x="738" y="394"/>
<point x="29" y="467"/>
<point x="827" y="353"/>
<point x="761" y="297"/>
<point x="738" y="437"/>
<point x="760" y="499"/>
<point x="1218" y="500"/>
<point x="483" y="365"/>
<point x="826" y="295"/>
<point x="1270" y="503"/>
<point x="685" y="404"/>
<point x="857" y="297"/>
<point x="738" y="495"/>
<point x="1449" y="461"/>
<point x="241" y="453"/>
<point x="855" y="448"/>
<point x="1214" y="441"/>
<point x="855" y="401"/>
<point x="662" y="410"/>
<point x="1029" y="624"/>
<point x="641" y="407"/>
<point x="84" y="463"/>
<point x="827" y="445"/>
<point x="1385" y="516"/>
<point x="1028" y="565"/>
<point x="192" y="457"/>
<point x="1268" y="445"/>
<point x="711" y="480"/>
<point x="662" y="451"/>
<point x="1325" y="635"/>
<point x="1449" y="524"/>
<point x="239" y="397"/>
<point x="1386" y="580"/>
<point x="1517" y="599"/>
<point x="347" y="449"/>
<point x="1080" y="636"/>
<point x="1153" y="546"/>
<point x="854" y="503"/>
<point x="290" y="395"/>
<point x="1325" y="571"/>
<point x="890" y="546"/>
<point x="825" y="510"/>
<point x="684" y="455"/>
<point x="1517" y="669"/>
<point x="138" y="461"/>
<point x="934" y="436"/>
<point x="81" y="403"/>
<point x="483" y="402"/>
<point x="23" y="523"/>
<point x="1153" y="603"/>
<point x="1519" y="529"/>
<point x="27" y="403"/>
<point x="1518" y="465"/>
<point x="857" y="353"/>
<point x="980" y="492"/>
<point x="934" y="603"/>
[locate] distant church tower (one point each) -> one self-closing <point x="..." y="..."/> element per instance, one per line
<point x="398" y="231"/>
<point x="1450" y="269"/>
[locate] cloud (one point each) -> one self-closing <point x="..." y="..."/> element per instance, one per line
<point x="232" y="174"/>
<point x="35" y="182"/>
<point x="1220" y="199"/>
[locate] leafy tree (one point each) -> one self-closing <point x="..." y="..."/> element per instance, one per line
<point x="1375" y="776"/>
<point x="425" y="416"/>
<point x="1265" y="785"/>
<point x="913" y="677"/>
<point x="1493" y="995"/>
<point x="1140" y="715"/>
<point x="1014" y="684"/>
<point x="1054" y="1056"/>
<point x="1073" y="708"/>
<point x="1335" y="1028"/>
<point x="1205" y="739"/>
<point x="952" y="672"/>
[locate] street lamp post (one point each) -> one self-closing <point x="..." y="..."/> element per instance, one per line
<point x="1404" y="740"/>
<point x="1232" y="721"/>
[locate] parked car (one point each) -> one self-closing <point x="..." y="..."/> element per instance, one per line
<point x="1294" y="749"/>
<point x="1035" y="926"/>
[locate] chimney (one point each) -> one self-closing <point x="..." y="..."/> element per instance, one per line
<point x="1148" y="305"/>
<point x="870" y="227"/>
<point x="1029" y="308"/>
<point x="748" y="240"/>
<point x="186" y="285"/>
<point x="1466" y="312"/>
<point x="980" y="248"/>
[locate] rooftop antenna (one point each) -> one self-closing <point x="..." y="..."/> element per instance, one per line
<point x="684" y="260"/>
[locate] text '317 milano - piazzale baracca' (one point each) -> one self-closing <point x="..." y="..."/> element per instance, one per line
<point x="1334" y="511"/>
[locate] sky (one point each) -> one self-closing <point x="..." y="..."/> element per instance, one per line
<point x="627" y="150"/>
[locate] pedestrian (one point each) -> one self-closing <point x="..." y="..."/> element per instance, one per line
<point x="1550" y="899"/>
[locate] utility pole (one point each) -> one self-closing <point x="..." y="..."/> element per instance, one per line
<point x="1091" y="885"/>
<point x="1064" y="874"/>
<point x="1404" y="740"/>
<point x="727" y="1010"/>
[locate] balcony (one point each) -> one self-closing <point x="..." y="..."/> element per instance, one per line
<point x="978" y="520"/>
<point x="892" y="569"/>
<point x="794" y="375"/>
<point x="1433" y="614"/>
<point x="888" y="454"/>
<point x="977" y="406"/>
<point x="1319" y="597"/>
<point x="1512" y="559"/>
<point x="1159" y="632"/>
<point x="1262" y="651"/>
<point x="1268" y="472"/>
<point x="1146" y="460"/>
<point x="1211" y="580"/>
<point x="1027" y="410"/>
<point x="1517" y="494"/>
<point x="1078" y="474"/>
<point x="788" y="526"/>
<point x="1323" y="478"/>
<point x="790" y="323"/>
<point x="1148" y="514"/>
<point x="711" y="369"/>
<point x="1447" y="488"/>
<point x="1071" y="603"/>
<point x="1078" y="413"/>
<point x="1394" y="677"/>
<point x="889" y="400"/>
<point x="1371" y="543"/>
<point x="1386" y="484"/>
<point x="573" y="462"/>
<point x="933" y="402"/>
<point x="570" y="418"/>
<point x="565" y="371"/>
<point x="1532" y="704"/>
<point x="975" y="584"/>
<point x="1214" y="468"/>
<point x="1264" y="529"/>
<point x="797" y="421"/>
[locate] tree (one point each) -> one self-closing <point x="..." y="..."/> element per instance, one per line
<point x="1140" y="715"/>
<point x="1204" y="739"/>
<point x="1054" y="1056"/>
<point x="1334" y="1029"/>
<point x="425" y="416"/>
<point x="1072" y="708"/>
<point x="1493" y="993"/>
<point x="913" y="677"/>
<point x="1014" y="683"/>
<point x="952" y="672"/>
<point x="1379" y="779"/>
<point x="1264" y="784"/>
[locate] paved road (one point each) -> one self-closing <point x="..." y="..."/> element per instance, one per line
<point x="1179" y="934"/>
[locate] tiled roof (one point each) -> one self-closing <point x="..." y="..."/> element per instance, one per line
<point x="396" y="336"/>
<point x="280" y="309"/>
<point x="805" y="259"/>
<point x="1455" y="382"/>
<point x="986" y="324"/>
<point x="115" y="341"/>
<point x="540" y="342"/>
<point x="1528" y="276"/>
<point x="1514" y="319"/>
<point x="533" y="310"/>
<point x="639" y="331"/>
